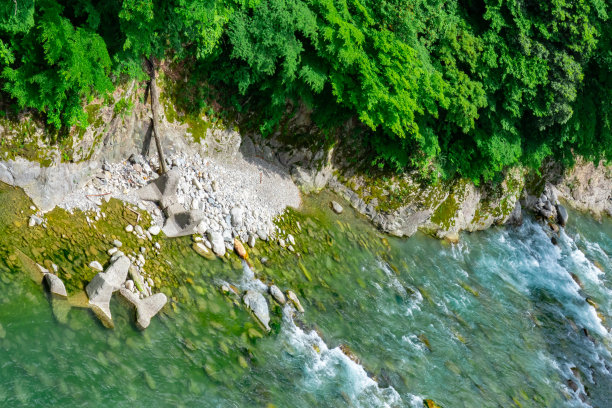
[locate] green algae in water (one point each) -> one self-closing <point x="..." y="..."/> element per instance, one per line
<point x="378" y="300"/>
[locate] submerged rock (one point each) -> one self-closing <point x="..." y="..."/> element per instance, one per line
<point x="296" y="302"/>
<point x="277" y="295"/>
<point x="562" y="215"/>
<point x="336" y="207"/>
<point x="257" y="304"/>
<point x="203" y="250"/>
<point x="55" y="285"/>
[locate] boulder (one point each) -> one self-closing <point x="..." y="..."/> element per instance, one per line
<point x="96" y="266"/>
<point x="257" y="304"/>
<point x="277" y="295"/>
<point x="154" y="229"/>
<point x="336" y="207"/>
<point x="296" y="302"/>
<point x="239" y="248"/>
<point x="102" y="286"/>
<point x="562" y="215"/>
<point x="55" y="285"/>
<point x="216" y="240"/>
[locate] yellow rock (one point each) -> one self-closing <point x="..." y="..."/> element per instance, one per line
<point x="239" y="248"/>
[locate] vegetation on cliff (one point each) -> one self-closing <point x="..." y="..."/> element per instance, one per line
<point x="465" y="87"/>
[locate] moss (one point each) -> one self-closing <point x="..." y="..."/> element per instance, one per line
<point x="444" y="215"/>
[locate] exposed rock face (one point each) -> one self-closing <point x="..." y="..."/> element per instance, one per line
<point x="55" y="285"/>
<point x="257" y="304"/>
<point x="46" y="186"/>
<point x="104" y="284"/>
<point x="587" y="187"/>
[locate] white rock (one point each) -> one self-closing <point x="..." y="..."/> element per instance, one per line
<point x="138" y="229"/>
<point x="154" y="230"/>
<point x="117" y="243"/>
<point x="112" y="251"/>
<point x="96" y="266"/>
<point x="129" y="228"/>
<point x="291" y="239"/>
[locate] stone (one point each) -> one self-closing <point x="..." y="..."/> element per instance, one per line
<point x="129" y="228"/>
<point x="162" y="190"/>
<point x="262" y="234"/>
<point x="282" y="243"/>
<point x="251" y="240"/>
<point x="137" y="278"/>
<point x="217" y="242"/>
<point x="291" y="239"/>
<point x="129" y="285"/>
<point x="237" y="216"/>
<point x="562" y="215"/>
<point x="55" y="285"/>
<point x="336" y="207"/>
<point x="277" y="295"/>
<point x="96" y="266"/>
<point x="154" y="230"/>
<point x="117" y="243"/>
<point x="102" y="286"/>
<point x="203" y="250"/>
<point x="138" y="230"/>
<point x="239" y="248"/>
<point x="296" y="302"/>
<point x="112" y="251"/>
<point x="34" y="220"/>
<point x="257" y="304"/>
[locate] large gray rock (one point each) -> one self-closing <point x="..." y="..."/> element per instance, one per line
<point x="516" y="217"/>
<point x="562" y="215"/>
<point x="104" y="284"/>
<point x="146" y="308"/>
<point x="55" y="285"/>
<point x="217" y="242"/>
<point x="257" y="304"/>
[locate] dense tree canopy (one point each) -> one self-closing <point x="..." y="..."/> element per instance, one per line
<point x="465" y="87"/>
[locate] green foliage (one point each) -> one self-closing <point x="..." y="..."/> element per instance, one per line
<point x="466" y="87"/>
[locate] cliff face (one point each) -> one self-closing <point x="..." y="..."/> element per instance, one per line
<point x="400" y="205"/>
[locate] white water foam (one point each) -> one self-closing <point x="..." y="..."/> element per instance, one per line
<point x="331" y="370"/>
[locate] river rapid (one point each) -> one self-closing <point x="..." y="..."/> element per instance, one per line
<point x="504" y="318"/>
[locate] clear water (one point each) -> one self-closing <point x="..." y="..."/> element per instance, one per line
<point x="496" y="321"/>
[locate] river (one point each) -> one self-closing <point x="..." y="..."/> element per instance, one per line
<point x="499" y="320"/>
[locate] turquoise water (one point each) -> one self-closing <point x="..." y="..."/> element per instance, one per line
<point x="495" y="321"/>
